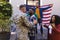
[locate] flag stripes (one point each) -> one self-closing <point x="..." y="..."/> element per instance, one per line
<point x="46" y="15"/>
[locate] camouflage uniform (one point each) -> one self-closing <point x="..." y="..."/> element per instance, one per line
<point x="24" y="25"/>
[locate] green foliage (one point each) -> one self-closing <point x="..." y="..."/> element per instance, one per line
<point x="5" y="25"/>
<point x="5" y="14"/>
<point x="5" y="10"/>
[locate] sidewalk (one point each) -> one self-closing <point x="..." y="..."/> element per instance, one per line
<point x="38" y="36"/>
<point x="44" y="36"/>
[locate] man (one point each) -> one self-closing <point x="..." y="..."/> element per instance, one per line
<point x="23" y="25"/>
<point x="30" y="11"/>
<point x="32" y="18"/>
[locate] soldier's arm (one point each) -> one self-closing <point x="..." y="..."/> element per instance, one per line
<point x="26" y="22"/>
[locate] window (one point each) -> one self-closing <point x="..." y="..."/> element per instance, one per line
<point x="32" y="2"/>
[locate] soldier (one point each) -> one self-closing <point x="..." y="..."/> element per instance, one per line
<point x="23" y="25"/>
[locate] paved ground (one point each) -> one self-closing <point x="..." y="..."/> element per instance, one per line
<point x="44" y="36"/>
<point x="13" y="37"/>
<point x="39" y="36"/>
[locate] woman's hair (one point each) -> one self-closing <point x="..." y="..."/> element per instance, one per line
<point x="57" y="19"/>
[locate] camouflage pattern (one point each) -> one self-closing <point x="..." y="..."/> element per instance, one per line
<point x="24" y="25"/>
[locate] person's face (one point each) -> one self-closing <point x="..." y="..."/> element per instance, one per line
<point x="37" y="4"/>
<point x="31" y="11"/>
<point x="53" y="19"/>
<point x="23" y="9"/>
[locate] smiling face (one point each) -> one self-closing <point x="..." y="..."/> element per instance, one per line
<point x="53" y="18"/>
<point x="31" y="11"/>
<point x="23" y="9"/>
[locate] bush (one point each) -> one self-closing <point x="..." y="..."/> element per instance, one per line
<point x="5" y="14"/>
<point x="5" y="10"/>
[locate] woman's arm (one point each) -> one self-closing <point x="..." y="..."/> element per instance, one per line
<point x="47" y="7"/>
<point x="57" y="30"/>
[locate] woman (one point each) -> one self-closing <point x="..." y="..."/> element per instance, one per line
<point x="55" y="23"/>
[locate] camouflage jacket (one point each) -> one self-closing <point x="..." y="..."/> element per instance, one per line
<point x="23" y="25"/>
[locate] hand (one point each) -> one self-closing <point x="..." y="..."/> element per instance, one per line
<point x="53" y="25"/>
<point x="51" y="5"/>
<point x="35" y="22"/>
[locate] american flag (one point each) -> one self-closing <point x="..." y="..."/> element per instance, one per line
<point x="46" y="15"/>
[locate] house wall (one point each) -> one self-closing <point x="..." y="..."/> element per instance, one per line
<point x="15" y="5"/>
<point x="55" y="9"/>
